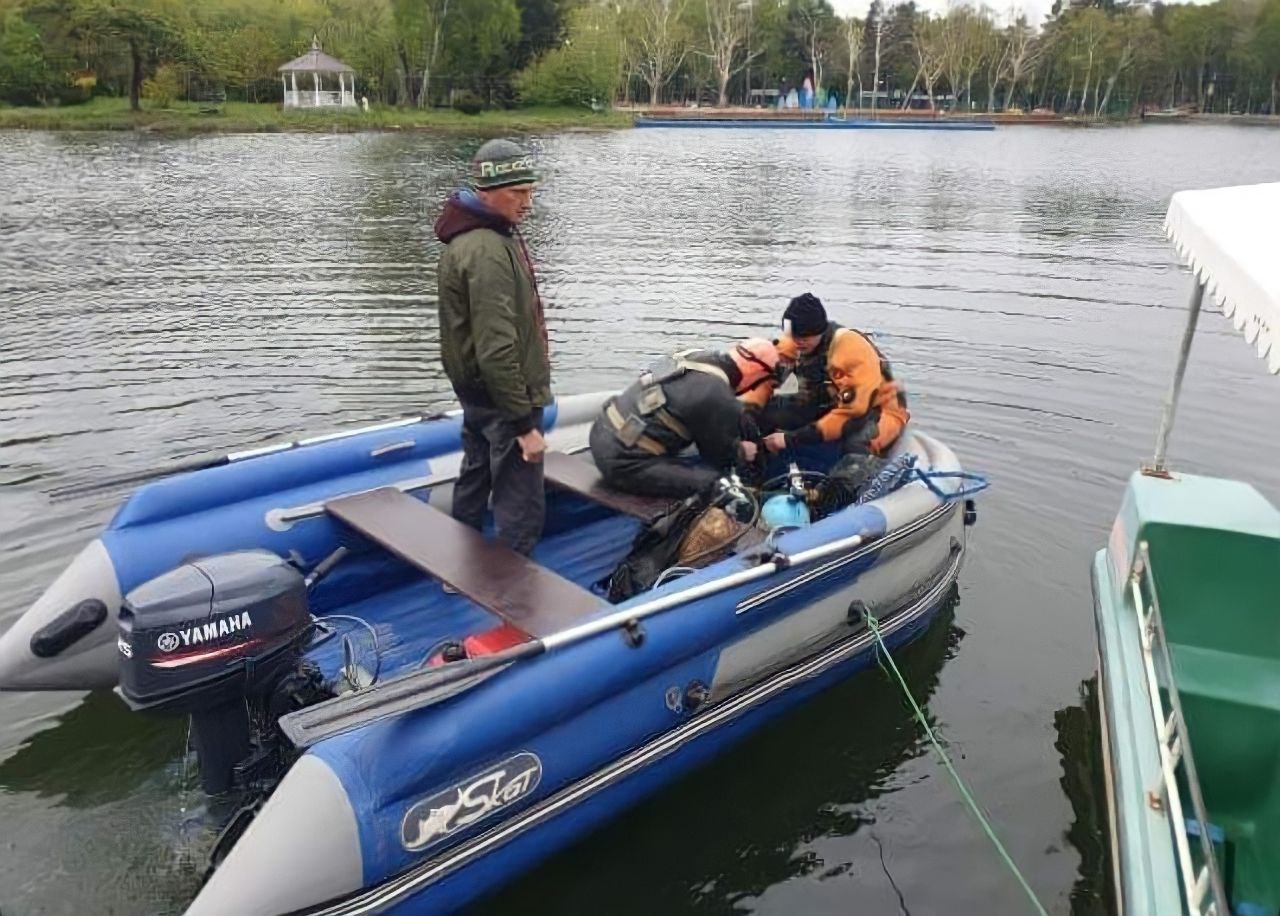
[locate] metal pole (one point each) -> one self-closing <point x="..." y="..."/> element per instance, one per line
<point x="733" y="580"/>
<point x="1171" y="401"/>
<point x="410" y="691"/>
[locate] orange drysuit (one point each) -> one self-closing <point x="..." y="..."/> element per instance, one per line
<point x="849" y="385"/>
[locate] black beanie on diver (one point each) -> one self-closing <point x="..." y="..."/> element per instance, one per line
<point x="806" y="316"/>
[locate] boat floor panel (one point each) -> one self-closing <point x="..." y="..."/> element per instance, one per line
<point x="580" y="475"/>
<point x="519" y="590"/>
<point x="412" y="617"/>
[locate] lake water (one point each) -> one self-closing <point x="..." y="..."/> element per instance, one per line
<point x="172" y="298"/>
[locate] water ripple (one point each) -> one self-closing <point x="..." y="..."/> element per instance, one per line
<point x="165" y="299"/>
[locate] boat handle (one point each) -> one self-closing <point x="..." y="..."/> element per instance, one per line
<point x="392" y="447"/>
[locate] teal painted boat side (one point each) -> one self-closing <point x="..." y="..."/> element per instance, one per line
<point x="1143" y="853"/>
<point x="1205" y="538"/>
<point x="1184" y="500"/>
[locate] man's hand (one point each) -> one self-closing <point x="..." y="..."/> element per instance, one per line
<point x="749" y="451"/>
<point x="532" y="445"/>
<point x="775" y="442"/>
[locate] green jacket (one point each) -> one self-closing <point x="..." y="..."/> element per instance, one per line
<point x="492" y="336"/>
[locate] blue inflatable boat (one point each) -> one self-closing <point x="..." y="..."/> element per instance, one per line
<point x="413" y="715"/>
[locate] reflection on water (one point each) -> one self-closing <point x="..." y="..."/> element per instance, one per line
<point x="1079" y="741"/>
<point x="96" y="753"/>
<point x="763" y="825"/>
<point x="109" y="815"/>
<point x="165" y="299"/>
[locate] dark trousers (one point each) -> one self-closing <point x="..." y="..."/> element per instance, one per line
<point x="492" y="464"/>
<point x="789" y="411"/>
<point x="633" y="470"/>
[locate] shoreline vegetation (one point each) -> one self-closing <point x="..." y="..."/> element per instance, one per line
<point x="181" y="118"/>
<point x="189" y="118"/>
<point x="501" y="66"/>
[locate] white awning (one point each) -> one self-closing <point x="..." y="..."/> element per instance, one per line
<point x="1231" y="239"/>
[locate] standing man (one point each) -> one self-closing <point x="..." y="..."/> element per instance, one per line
<point x="847" y="390"/>
<point x="493" y="341"/>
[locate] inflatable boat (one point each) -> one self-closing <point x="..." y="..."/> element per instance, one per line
<point x="408" y="714"/>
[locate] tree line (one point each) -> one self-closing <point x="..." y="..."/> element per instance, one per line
<point x="1089" y="57"/>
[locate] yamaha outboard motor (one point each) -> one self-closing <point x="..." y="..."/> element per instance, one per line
<point x="215" y="638"/>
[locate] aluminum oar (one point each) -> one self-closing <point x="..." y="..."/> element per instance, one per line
<point x="425" y="687"/>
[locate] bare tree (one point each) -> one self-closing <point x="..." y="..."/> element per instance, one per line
<point x="1024" y="53"/>
<point x="657" y="45"/>
<point x="421" y="25"/>
<point x="975" y="46"/>
<point x="813" y="18"/>
<point x="999" y="49"/>
<point x="1091" y="31"/>
<point x="881" y="34"/>
<point x="960" y="58"/>
<point x="727" y="26"/>
<point x="928" y="42"/>
<point x="852" y="34"/>
<point x="1125" y="40"/>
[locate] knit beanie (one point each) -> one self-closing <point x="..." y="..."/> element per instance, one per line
<point x="805" y="316"/>
<point x="499" y="163"/>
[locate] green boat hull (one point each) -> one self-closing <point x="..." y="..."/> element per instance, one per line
<point x="1214" y="548"/>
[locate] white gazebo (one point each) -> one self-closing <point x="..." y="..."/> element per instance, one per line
<point x="316" y="62"/>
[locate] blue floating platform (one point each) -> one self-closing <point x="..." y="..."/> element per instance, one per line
<point x="814" y="124"/>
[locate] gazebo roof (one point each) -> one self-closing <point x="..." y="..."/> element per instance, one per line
<point x="315" y="61"/>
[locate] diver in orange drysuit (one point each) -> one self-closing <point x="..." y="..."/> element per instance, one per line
<point x="847" y="390"/>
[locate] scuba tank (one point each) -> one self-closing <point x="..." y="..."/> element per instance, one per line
<point x="790" y="509"/>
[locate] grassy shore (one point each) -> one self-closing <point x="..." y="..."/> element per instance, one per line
<point x="248" y="117"/>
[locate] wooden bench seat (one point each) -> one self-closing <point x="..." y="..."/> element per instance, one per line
<point x="510" y="585"/>
<point x="581" y="476"/>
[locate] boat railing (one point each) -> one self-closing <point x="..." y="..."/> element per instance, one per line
<point x="1202" y="887"/>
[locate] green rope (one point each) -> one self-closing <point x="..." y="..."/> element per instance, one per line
<point x="883" y="654"/>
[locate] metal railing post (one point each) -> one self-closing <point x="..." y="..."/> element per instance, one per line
<point x="1174" y="748"/>
<point x="1175" y="389"/>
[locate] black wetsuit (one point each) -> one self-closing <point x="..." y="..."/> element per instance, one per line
<point x="699" y="408"/>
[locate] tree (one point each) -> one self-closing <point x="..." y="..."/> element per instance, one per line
<point x="147" y="34"/>
<point x="809" y="23"/>
<point x="163" y="87"/>
<point x="1088" y="30"/>
<point x="25" y="74"/>
<point x="727" y="26"/>
<point x="1266" y="42"/>
<point x="879" y="34"/>
<point x="658" y="42"/>
<point x="897" y="60"/>
<point x="1198" y="33"/>
<point x="1222" y="54"/>
<point x="541" y="29"/>
<point x="929" y="40"/>
<point x="998" y="52"/>
<point x="420" y="25"/>
<point x="586" y="69"/>
<point x="851" y="31"/>
<point x="1024" y="53"/>
<point x="964" y="37"/>
<point x="251" y="58"/>
<point x="1134" y="29"/>
<point x="480" y="41"/>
